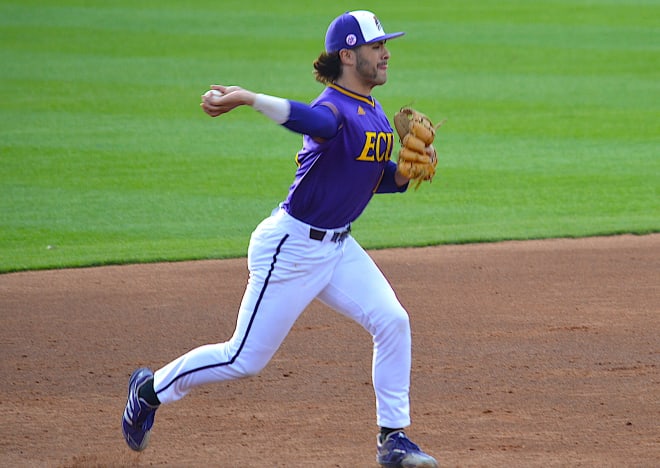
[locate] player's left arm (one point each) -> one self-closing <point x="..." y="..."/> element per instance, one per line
<point x="392" y="180"/>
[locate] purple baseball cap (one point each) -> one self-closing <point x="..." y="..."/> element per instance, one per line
<point x="353" y="29"/>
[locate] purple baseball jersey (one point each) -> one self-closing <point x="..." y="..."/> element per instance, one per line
<point x="337" y="177"/>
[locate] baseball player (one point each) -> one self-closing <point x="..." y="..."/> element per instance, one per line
<point x="304" y="249"/>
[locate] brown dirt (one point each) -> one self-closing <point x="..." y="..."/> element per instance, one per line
<point x="537" y="353"/>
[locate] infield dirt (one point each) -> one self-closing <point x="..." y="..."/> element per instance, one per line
<point x="535" y="353"/>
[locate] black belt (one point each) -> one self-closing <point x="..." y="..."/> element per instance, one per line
<point x="336" y="236"/>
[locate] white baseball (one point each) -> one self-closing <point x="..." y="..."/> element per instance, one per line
<point x="213" y="95"/>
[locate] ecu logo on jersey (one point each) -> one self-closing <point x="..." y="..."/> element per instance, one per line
<point x="377" y="147"/>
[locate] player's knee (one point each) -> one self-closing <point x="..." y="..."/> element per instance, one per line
<point x="401" y="320"/>
<point x="252" y="368"/>
<point x="396" y="320"/>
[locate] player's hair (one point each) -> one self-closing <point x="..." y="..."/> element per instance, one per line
<point x="327" y="68"/>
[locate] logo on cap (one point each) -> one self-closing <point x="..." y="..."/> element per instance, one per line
<point x="378" y="25"/>
<point x="351" y="39"/>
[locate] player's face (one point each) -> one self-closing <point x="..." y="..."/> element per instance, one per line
<point x="371" y="63"/>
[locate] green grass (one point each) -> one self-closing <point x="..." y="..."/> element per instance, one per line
<point x="552" y="107"/>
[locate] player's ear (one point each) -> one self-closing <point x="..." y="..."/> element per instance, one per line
<point x="347" y="56"/>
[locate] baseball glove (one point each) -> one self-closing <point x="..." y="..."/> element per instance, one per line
<point x="416" y="133"/>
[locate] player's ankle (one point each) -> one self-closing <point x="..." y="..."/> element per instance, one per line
<point x="385" y="431"/>
<point x="148" y="393"/>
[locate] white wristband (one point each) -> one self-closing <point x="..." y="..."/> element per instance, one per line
<point x="275" y="108"/>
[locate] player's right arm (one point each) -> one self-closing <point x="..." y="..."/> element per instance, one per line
<point x="319" y="121"/>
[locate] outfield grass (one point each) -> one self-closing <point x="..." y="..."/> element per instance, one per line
<point x="552" y="108"/>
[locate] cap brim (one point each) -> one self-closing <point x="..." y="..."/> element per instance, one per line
<point x="385" y="37"/>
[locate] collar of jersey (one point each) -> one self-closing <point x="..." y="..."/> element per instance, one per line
<point x="366" y="99"/>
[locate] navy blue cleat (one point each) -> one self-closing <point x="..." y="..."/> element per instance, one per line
<point x="139" y="415"/>
<point x="397" y="451"/>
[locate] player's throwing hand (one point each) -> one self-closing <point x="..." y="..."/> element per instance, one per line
<point x="222" y="99"/>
